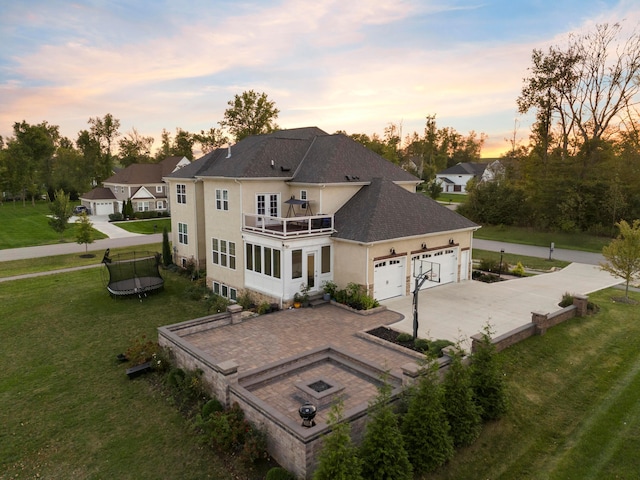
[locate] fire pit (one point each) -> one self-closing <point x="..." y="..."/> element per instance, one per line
<point x="320" y="391"/>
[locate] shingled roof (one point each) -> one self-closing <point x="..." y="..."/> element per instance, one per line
<point x="144" y="173"/>
<point x="384" y="211"/>
<point x="303" y="155"/>
<point x="465" y="168"/>
<point x="99" y="193"/>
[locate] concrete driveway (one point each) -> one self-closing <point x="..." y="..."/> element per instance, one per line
<point x="457" y="311"/>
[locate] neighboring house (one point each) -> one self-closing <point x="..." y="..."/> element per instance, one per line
<point x="278" y="212"/>
<point x="141" y="182"/>
<point x="454" y="179"/>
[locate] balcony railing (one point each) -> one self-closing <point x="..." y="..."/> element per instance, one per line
<point x="288" y="227"/>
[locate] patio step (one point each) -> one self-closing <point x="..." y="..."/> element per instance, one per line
<point x="317" y="300"/>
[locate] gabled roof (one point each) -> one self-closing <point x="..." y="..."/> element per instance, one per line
<point x="144" y="173"/>
<point x="304" y="155"/>
<point x="467" y="168"/>
<point x="99" y="193"/>
<point x="384" y="211"/>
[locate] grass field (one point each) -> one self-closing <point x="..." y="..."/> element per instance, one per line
<point x="146" y="227"/>
<point x="68" y="410"/>
<point x="57" y="262"/>
<point x="512" y="259"/>
<point x="527" y="236"/>
<point x="28" y="226"/>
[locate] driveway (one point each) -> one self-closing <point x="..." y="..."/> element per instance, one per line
<point x="457" y="311"/>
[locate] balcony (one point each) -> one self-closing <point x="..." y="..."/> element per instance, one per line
<point x="293" y="227"/>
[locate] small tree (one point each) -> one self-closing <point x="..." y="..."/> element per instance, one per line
<point x="462" y="412"/>
<point x="487" y="381"/>
<point x="250" y="113"/>
<point x="84" y="233"/>
<point x="166" y="248"/>
<point x="622" y="255"/>
<point x="338" y="458"/>
<point x="383" y="454"/>
<point x="61" y="212"/>
<point x="425" y="427"/>
<point x="434" y="188"/>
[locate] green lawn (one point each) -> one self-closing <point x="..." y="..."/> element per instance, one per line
<point x="28" y="226"/>
<point x="452" y="197"/>
<point x="146" y="227"/>
<point x="533" y="263"/>
<point x="574" y="410"/>
<point x="527" y="236"/>
<point x="57" y="262"/>
<point x="68" y="411"/>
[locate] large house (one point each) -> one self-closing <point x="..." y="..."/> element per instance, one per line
<point x="141" y="182"/>
<point x="454" y="179"/>
<point x="276" y="213"/>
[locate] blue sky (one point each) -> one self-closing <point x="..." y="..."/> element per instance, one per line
<point x="340" y="65"/>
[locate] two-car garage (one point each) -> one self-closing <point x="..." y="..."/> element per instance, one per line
<point x="390" y="274"/>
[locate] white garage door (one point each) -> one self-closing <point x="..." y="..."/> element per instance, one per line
<point x="448" y="261"/>
<point x="388" y="278"/>
<point x="104" y="208"/>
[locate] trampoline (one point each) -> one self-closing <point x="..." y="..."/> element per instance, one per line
<point x="132" y="274"/>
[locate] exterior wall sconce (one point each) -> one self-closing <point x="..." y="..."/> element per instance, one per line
<point x="451" y="241"/>
<point x="392" y="251"/>
<point x="424" y="246"/>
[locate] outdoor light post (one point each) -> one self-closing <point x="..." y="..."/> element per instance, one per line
<point x="500" y="267"/>
<point x="551" y="249"/>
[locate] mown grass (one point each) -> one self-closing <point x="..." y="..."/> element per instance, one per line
<point x="573" y="396"/>
<point x="527" y="236"/>
<point x="56" y="262"/>
<point x="28" y="226"/>
<point x="67" y="409"/>
<point x="452" y="197"/>
<point x="512" y="260"/>
<point x="146" y="227"/>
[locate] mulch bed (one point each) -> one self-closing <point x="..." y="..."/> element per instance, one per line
<point x="390" y="335"/>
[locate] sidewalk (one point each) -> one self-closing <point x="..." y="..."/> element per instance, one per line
<point x="118" y="237"/>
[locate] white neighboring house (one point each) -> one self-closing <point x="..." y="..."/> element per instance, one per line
<point x="141" y="182"/>
<point x="454" y="179"/>
<point x="296" y="208"/>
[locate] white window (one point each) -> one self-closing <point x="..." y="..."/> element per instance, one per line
<point x="222" y="199"/>
<point x="160" y="205"/>
<point x="264" y="260"/>
<point x="181" y="193"/>
<point x="159" y="189"/>
<point x="143" y="206"/>
<point x="303" y="196"/>
<point x="223" y="253"/>
<point x="183" y="236"/>
<point x="225" y="291"/>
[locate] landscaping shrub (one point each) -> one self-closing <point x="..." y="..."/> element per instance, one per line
<point x="211" y="407"/>
<point x="279" y="473"/>
<point x="425" y="427"/>
<point x="463" y="414"/>
<point x="436" y="346"/>
<point x="142" y="350"/>
<point x="488" y="265"/>
<point x="338" y="458"/>
<point x="355" y="296"/>
<point x="264" y="307"/>
<point x="383" y="454"/>
<point x="422" y="344"/>
<point x="331" y="288"/>
<point x="487" y="379"/>
<point x="245" y="301"/>
<point x="567" y="300"/>
<point x="116" y="217"/>
<point x="404" y="337"/>
<point x="216" y="303"/>
<point x="518" y="270"/>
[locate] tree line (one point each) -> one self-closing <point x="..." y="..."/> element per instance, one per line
<point x="580" y="171"/>
<point x="37" y="160"/>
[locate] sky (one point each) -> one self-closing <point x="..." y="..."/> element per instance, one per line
<point x="351" y="65"/>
